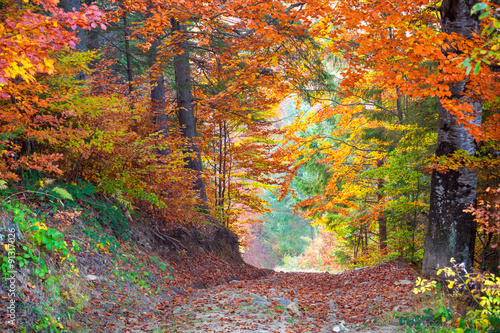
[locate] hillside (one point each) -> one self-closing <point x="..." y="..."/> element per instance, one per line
<point x="75" y="258"/>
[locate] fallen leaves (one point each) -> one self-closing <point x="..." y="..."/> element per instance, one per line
<point x="357" y="297"/>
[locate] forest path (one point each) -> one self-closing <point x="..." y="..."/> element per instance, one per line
<point x="297" y="302"/>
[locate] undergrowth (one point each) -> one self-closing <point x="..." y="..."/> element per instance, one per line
<point x="475" y="299"/>
<point x="59" y="242"/>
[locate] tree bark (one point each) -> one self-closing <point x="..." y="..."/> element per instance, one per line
<point x="92" y="38"/>
<point x="185" y="107"/>
<point x="68" y="6"/>
<point x="451" y="232"/>
<point x="130" y="74"/>
<point x="382" y="222"/>
<point x="158" y="101"/>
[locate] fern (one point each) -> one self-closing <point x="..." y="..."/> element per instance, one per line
<point x="3" y="184"/>
<point x="62" y="193"/>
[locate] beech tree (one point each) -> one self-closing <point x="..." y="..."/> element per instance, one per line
<point x="452" y="231"/>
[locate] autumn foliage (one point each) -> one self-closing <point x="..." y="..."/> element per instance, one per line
<point x="372" y="76"/>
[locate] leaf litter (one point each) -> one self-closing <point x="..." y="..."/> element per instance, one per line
<point x="356" y="299"/>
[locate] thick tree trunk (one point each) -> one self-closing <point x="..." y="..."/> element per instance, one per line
<point x="451" y="232"/>
<point x="185" y="105"/>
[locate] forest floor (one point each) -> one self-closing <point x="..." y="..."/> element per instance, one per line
<point x="355" y="300"/>
<point x="132" y="287"/>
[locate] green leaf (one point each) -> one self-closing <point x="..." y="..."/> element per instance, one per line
<point x="62" y="193"/>
<point x="478" y="7"/>
<point x="483" y="15"/>
<point x="494" y="321"/>
<point x="477" y="68"/>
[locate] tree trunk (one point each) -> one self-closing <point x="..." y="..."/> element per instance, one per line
<point x="158" y="102"/>
<point x="382" y="222"/>
<point x="451" y="232"/>
<point x="68" y="6"/>
<point x="185" y="107"/>
<point x="92" y="38"/>
<point x="130" y="75"/>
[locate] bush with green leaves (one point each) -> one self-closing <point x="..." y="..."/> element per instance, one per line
<point x="38" y="238"/>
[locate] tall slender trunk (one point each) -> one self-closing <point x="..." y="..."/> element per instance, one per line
<point x="224" y="175"/>
<point x="130" y="75"/>
<point x="158" y="99"/>
<point x="220" y="197"/>
<point x="382" y="222"/>
<point x="157" y="93"/>
<point x="451" y="231"/>
<point x="185" y="106"/>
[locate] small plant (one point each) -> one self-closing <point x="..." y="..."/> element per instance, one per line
<point x="429" y="319"/>
<point x="38" y="238"/>
<point x="51" y="240"/>
<point x="482" y="291"/>
<point x="161" y="264"/>
<point x="47" y="323"/>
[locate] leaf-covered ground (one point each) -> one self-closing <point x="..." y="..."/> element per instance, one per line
<point x="355" y="299"/>
<point x="129" y="287"/>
